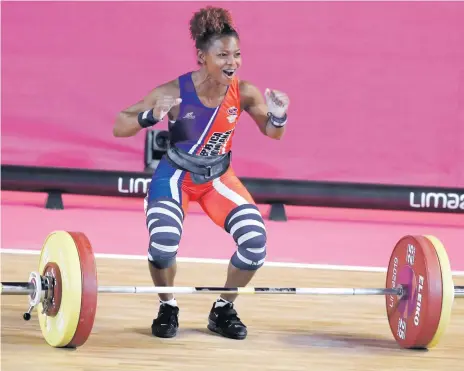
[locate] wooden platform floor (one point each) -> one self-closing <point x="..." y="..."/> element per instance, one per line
<point x="285" y="332"/>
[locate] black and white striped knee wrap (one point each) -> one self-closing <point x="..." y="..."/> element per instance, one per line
<point x="246" y="225"/>
<point x="165" y="224"/>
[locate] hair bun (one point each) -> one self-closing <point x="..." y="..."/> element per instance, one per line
<point x="210" y="20"/>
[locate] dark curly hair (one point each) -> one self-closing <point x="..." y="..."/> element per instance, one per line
<point x="209" y="23"/>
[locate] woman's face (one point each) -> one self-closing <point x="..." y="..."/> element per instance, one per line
<point x="223" y="59"/>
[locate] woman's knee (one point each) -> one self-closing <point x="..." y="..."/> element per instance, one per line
<point x="164" y="220"/>
<point x="246" y="225"/>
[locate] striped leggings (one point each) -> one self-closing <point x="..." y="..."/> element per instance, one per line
<point x="225" y="200"/>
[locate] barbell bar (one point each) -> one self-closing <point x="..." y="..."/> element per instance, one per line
<point x="25" y="288"/>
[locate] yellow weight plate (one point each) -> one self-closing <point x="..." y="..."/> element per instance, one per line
<point x="60" y="248"/>
<point x="448" y="290"/>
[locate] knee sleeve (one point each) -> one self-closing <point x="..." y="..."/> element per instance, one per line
<point x="165" y="224"/>
<point x="246" y="226"/>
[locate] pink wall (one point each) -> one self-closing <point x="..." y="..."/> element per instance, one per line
<point x="377" y="89"/>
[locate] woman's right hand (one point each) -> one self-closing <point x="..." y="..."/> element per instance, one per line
<point x="163" y="105"/>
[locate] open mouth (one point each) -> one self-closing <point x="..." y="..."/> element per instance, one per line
<point x="229" y="73"/>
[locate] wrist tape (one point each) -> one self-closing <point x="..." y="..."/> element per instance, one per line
<point x="146" y="119"/>
<point x="277" y="121"/>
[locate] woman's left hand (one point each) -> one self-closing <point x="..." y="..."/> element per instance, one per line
<point x="277" y="102"/>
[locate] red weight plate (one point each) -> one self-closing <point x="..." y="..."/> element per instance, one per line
<point x="89" y="290"/>
<point x="414" y="319"/>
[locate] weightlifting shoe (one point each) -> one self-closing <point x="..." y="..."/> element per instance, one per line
<point x="224" y="321"/>
<point x="167" y="322"/>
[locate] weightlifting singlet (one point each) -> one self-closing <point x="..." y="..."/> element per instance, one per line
<point x="202" y="131"/>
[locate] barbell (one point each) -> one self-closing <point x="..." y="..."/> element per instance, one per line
<point x="419" y="290"/>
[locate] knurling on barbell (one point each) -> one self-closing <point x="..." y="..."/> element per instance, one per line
<point x="419" y="290"/>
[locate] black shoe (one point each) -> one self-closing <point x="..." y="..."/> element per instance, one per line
<point x="167" y="322"/>
<point x="224" y="321"/>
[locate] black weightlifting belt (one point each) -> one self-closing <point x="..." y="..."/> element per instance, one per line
<point x="202" y="168"/>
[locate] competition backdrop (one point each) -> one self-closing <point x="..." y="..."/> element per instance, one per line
<point x="377" y="89"/>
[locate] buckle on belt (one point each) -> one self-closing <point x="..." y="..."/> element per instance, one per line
<point x="208" y="171"/>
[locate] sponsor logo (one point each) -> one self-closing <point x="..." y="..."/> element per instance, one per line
<point x="437" y="200"/>
<point x="189" y="116"/>
<point x="232" y="111"/>
<point x="393" y="280"/>
<point x="133" y="185"/>
<point x="216" y="144"/>
<point x="419" y="300"/>
<point x="232" y="114"/>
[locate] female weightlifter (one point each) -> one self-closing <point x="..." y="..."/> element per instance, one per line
<point x="203" y="108"/>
